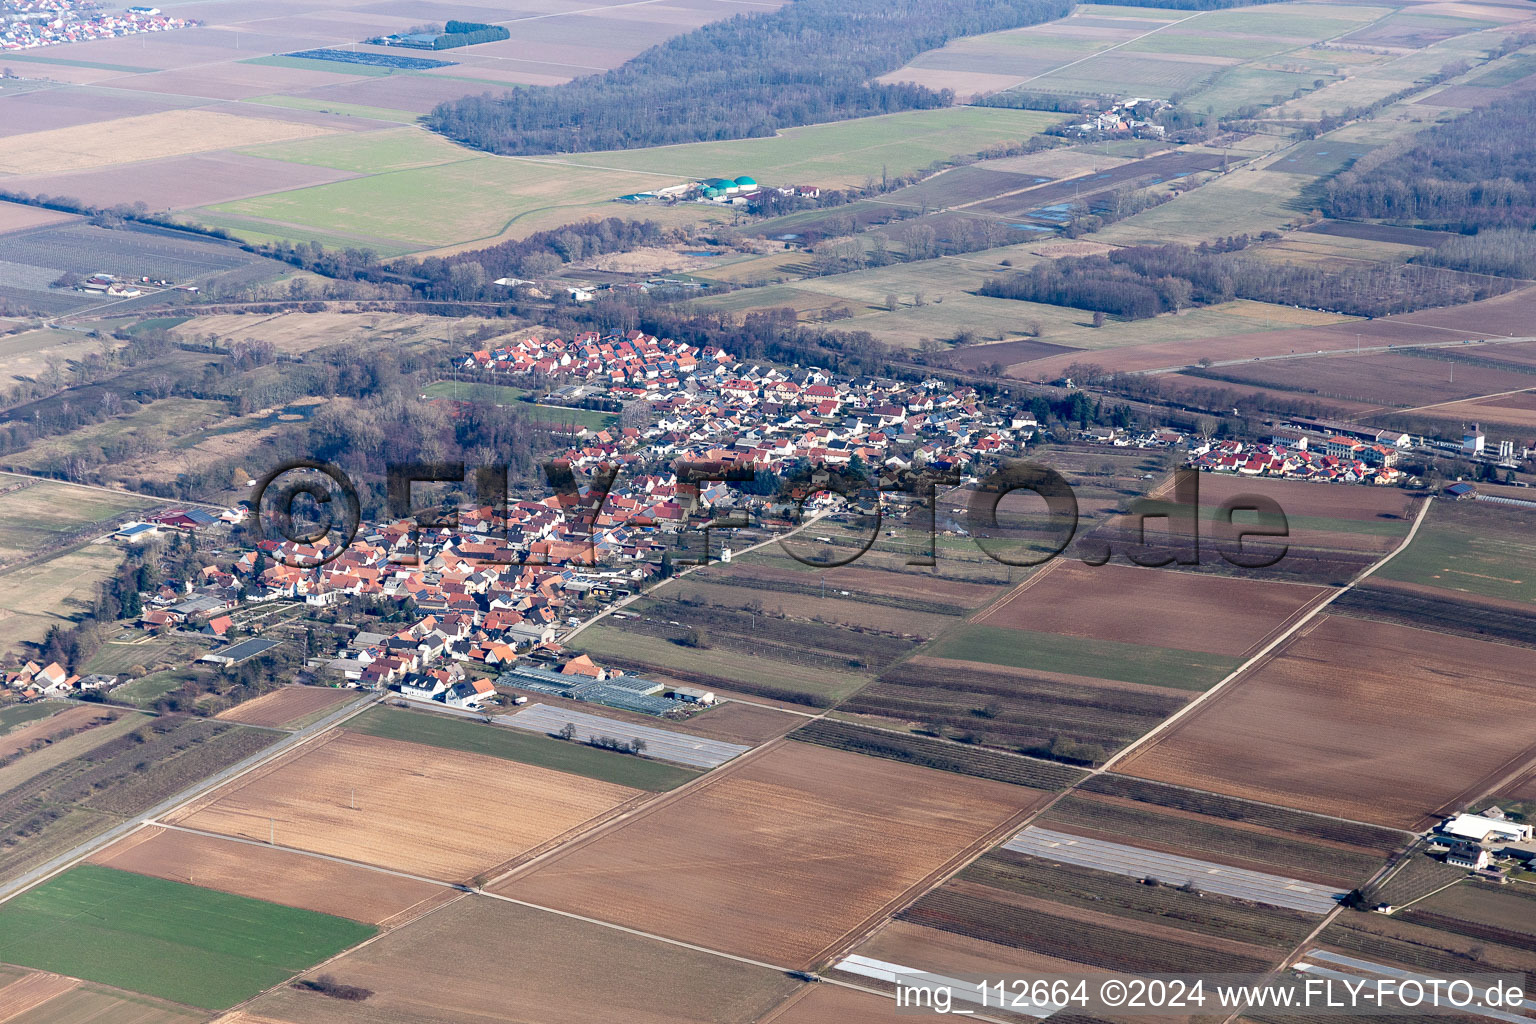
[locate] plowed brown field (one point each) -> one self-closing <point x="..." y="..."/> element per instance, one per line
<point x="479" y="961"/>
<point x="441" y="813"/>
<point x="277" y="876"/>
<point x="1365" y="720"/>
<point x="287" y="705"/>
<point x="1160" y="607"/>
<point x="780" y="857"/>
<point x="54" y="726"/>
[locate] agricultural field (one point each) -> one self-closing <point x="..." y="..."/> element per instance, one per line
<point x="1332" y="532"/>
<point x="36" y="515"/>
<point x="1347" y="719"/>
<point x="171" y="133"/>
<point x="1104" y="659"/>
<point x="727" y="668"/>
<point x="839" y="154"/>
<point x="1083" y="888"/>
<point x="55" y="590"/>
<point x="536" y="193"/>
<point x="833" y="838"/>
<point x="74" y="787"/>
<point x="540" y="751"/>
<point x="50" y="998"/>
<point x="39" y="724"/>
<point x="1151" y="607"/>
<point x="1247" y="846"/>
<point x="409" y="802"/>
<point x="178" y="942"/>
<point x="1501" y="914"/>
<point x="912" y="748"/>
<point x="291" y="707"/>
<point x="1487" y="320"/>
<point x="1477" y="549"/>
<point x="491" y="955"/>
<point x="295" y="333"/>
<point x="1385" y="381"/>
<point x="1401" y="943"/>
<point x="1032" y="712"/>
<point x="827" y="1004"/>
<point x="273" y="875"/>
<point x="33" y="355"/>
<point x="1096" y="937"/>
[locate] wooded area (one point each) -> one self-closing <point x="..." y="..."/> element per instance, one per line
<point x="1142" y="281"/>
<point x="810" y="61"/>
<point x="1473" y="173"/>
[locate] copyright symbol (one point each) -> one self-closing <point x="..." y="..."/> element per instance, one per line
<point x="331" y="513"/>
<point x="1112" y="992"/>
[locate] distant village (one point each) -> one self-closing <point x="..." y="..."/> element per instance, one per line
<point x="490" y="598"/>
<point x="28" y="24"/>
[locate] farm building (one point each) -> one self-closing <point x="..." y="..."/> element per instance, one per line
<point x="1479" y="829"/>
<point x="692" y="694"/>
<point x="241" y="652"/>
<point x="137" y="533"/>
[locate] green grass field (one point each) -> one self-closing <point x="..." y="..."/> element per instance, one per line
<point x="1101" y="659"/>
<point x="20" y="714"/>
<point x="36" y="515"/>
<point x="333" y="107"/>
<point x="836" y="154"/>
<point x="166" y="939"/>
<point x="393" y="149"/>
<point x="144" y="692"/>
<point x="512" y="745"/>
<point x="1474" y="549"/>
<point x="469" y="199"/>
<point x="115" y="657"/>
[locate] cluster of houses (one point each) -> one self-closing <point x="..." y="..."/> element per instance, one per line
<point x="1291" y="452"/>
<point x="1126" y="117"/>
<point x="703" y="405"/>
<point x="32" y="681"/>
<point x="28" y="24"/>
<point x="1472" y="841"/>
<point x="723" y="191"/>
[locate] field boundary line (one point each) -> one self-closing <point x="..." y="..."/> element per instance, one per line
<point x="1420" y="899"/>
<point x="308" y="971"/>
<point x="962" y="859"/>
<point x="313" y="854"/>
<point x="1387" y="870"/>
<point x="1203" y="700"/>
<point x="618" y="822"/>
<point x="49" y="869"/>
<point x="1261" y="803"/>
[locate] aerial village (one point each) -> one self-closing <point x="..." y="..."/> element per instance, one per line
<point x="28" y="24"/>
<point x="492" y="596"/>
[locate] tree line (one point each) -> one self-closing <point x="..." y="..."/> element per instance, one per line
<point x="809" y="62"/>
<point x="1138" y="282"/>
<point x="1475" y="173"/>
